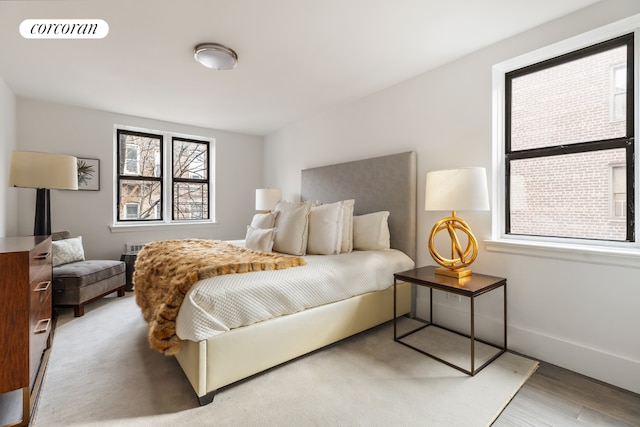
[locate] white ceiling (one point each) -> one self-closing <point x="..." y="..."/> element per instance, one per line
<point x="296" y="57"/>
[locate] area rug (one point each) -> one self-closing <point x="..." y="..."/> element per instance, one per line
<point x="102" y="373"/>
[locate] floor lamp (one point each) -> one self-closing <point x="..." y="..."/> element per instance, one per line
<point x="43" y="171"/>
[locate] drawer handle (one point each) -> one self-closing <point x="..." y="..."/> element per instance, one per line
<point x="42" y="286"/>
<point x="43" y="255"/>
<point x="42" y="329"/>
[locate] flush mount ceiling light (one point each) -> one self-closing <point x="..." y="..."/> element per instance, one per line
<point x="216" y="56"/>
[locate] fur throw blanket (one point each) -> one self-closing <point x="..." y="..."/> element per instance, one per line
<point x="166" y="270"/>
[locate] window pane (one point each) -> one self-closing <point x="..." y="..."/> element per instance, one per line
<point x="566" y="196"/>
<point x="569" y="103"/>
<point x="190" y="159"/>
<point x="140" y="155"/>
<point x="144" y="194"/>
<point x="190" y="201"/>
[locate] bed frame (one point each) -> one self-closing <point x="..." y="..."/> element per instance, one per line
<point x="382" y="183"/>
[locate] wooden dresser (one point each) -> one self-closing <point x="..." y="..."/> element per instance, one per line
<point x="25" y="316"/>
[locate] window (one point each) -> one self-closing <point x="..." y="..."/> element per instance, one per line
<point x="145" y="193"/>
<point x="132" y="210"/>
<point x="132" y="159"/>
<point x="190" y="179"/>
<point x="618" y="192"/>
<point x="619" y="92"/>
<point x="567" y="147"/>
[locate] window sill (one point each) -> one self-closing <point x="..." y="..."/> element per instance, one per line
<point x="126" y="228"/>
<point x="626" y="257"/>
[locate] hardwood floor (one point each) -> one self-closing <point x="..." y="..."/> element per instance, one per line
<point x="554" y="396"/>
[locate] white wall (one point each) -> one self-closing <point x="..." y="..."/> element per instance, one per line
<point x="8" y="196"/>
<point x="44" y="126"/>
<point x="581" y="316"/>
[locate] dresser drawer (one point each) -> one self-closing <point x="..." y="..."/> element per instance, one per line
<point x="38" y="343"/>
<point x="40" y="259"/>
<point x="40" y="289"/>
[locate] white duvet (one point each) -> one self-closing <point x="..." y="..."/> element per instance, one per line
<point x="218" y="304"/>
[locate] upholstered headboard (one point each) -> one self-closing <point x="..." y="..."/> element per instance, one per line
<point x="385" y="183"/>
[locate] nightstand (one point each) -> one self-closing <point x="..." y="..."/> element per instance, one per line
<point x="470" y="287"/>
<point x="129" y="259"/>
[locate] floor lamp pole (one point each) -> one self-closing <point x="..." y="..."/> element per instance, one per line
<point x="42" y="224"/>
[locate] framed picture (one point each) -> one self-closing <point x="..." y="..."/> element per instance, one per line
<point x="88" y="174"/>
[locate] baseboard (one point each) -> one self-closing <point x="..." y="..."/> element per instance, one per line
<point x="609" y="368"/>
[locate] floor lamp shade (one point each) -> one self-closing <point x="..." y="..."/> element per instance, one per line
<point x="267" y="198"/>
<point x="43" y="171"/>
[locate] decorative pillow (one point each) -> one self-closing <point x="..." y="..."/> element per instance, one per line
<point x="67" y="250"/>
<point x="325" y="229"/>
<point x="347" y="226"/>
<point x="264" y="220"/>
<point x="260" y="239"/>
<point x="292" y="223"/>
<point x="371" y="231"/>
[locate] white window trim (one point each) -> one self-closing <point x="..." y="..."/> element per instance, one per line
<point x="166" y="223"/>
<point x="613" y="253"/>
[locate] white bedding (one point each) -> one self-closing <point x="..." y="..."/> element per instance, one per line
<point x="218" y="304"/>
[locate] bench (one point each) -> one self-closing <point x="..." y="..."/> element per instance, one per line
<point x="81" y="282"/>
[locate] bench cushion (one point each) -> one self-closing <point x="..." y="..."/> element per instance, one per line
<point x="82" y="273"/>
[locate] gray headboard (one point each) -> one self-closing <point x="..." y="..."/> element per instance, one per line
<point x="385" y="183"/>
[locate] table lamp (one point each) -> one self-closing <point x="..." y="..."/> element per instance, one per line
<point x="43" y="171"/>
<point x="456" y="190"/>
<point x="267" y="199"/>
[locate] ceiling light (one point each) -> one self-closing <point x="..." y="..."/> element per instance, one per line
<point x="216" y="56"/>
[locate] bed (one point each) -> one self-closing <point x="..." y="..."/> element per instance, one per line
<point x="385" y="183"/>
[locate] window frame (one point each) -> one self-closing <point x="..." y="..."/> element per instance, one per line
<point x="625" y="142"/>
<point x="166" y="180"/>
<point x="138" y="177"/>
<point x="609" y="252"/>
<point x="189" y="180"/>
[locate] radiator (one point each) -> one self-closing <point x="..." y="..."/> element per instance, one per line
<point x="133" y="247"/>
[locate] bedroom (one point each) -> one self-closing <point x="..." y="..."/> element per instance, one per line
<point x="576" y="314"/>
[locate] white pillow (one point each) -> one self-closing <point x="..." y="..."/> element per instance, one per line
<point x="67" y="250"/>
<point x="292" y="224"/>
<point x="260" y="239"/>
<point x="371" y="231"/>
<point x="347" y="226"/>
<point x="325" y="229"/>
<point x="264" y="220"/>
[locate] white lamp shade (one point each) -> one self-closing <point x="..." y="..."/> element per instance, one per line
<point x="267" y="198"/>
<point x="33" y="169"/>
<point x="457" y="190"/>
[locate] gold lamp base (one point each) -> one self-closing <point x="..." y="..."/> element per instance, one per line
<point x="460" y="258"/>
<point x="458" y="274"/>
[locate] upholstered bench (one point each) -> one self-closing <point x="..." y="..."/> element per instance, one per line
<point x="79" y="282"/>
